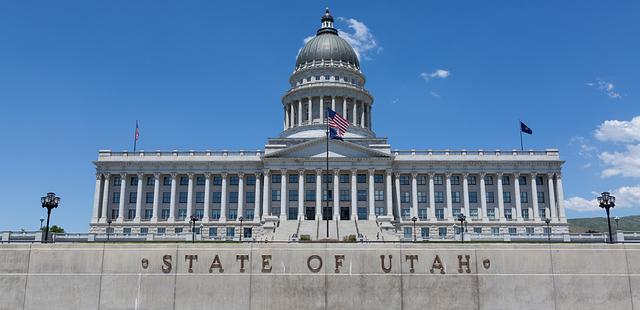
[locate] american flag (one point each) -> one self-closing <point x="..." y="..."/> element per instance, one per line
<point x="137" y="134"/>
<point x="337" y="124"/>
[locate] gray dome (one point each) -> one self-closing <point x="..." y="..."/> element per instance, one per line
<point x="327" y="45"/>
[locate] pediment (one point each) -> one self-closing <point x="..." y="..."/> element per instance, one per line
<point x="318" y="148"/>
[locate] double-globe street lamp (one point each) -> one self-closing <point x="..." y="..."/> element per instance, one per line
<point x="607" y="201"/>
<point x="414" y="219"/>
<point x="548" y="222"/>
<point x="193" y="228"/>
<point x="241" y="219"/>
<point x="462" y="219"/>
<point x="50" y="201"/>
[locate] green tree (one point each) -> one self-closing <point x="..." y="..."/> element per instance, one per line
<point x="54" y="229"/>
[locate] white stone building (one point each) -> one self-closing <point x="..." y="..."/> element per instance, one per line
<point x="369" y="190"/>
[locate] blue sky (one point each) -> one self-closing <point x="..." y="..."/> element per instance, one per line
<point x="75" y="75"/>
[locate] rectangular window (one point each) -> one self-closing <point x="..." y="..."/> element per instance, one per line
<point x="250" y="197"/>
<point x="149" y="197"/>
<point x="345" y="195"/>
<point x="541" y="197"/>
<point x="378" y="178"/>
<point x="233" y="197"/>
<point x="439" y="197"/>
<point x="424" y="232"/>
<point x="213" y="232"/>
<point x="178" y="230"/>
<point x="292" y="213"/>
<point x="184" y="181"/>
<point x="507" y="214"/>
<point x="471" y="180"/>
<point x="200" y="180"/>
<point x="166" y="181"/>
<point x="525" y="214"/>
<point x="405" y="213"/>
<point x="488" y="180"/>
<point x="422" y="180"/>
<point x="506" y="196"/>
<point x="513" y="231"/>
<point x="539" y="180"/>
<point x="327" y="195"/>
<point x="524" y="197"/>
<point x="248" y="214"/>
<point x="117" y="180"/>
<point x="477" y="230"/>
<point x="455" y="180"/>
<point x="438" y="180"/>
<point x="115" y="198"/>
<point x="473" y="212"/>
<point x="361" y="178"/>
<point x="491" y="213"/>
<point x="543" y="213"/>
<point x="132" y="197"/>
<point x="495" y="231"/>
<point x="310" y="195"/>
<point x="473" y="197"/>
<point x="234" y="180"/>
<point x="327" y="178"/>
<point x="547" y="231"/>
<point x="161" y="230"/>
<point x="455" y="197"/>
<point x="310" y="178"/>
<point x="199" y="213"/>
<point x="233" y="214"/>
<point x="134" y="181"/>
<point x="442" y="232"/>
<point x="344" y="178"/>
<point x="362" y="195"/>
<point x="199" y="197"/>
<point x="231" y="232"/>
<point x="166" y="197"/>
<point x="251" y="180"/>
<point x="182" y="214"/>
<point x="165" y="214"/>
<point x="379" y="211"/>
<point x="404" y="180"/>
<point x="126" y="231"/>
<point x="379" y="195"/>
<point x="182" y="198"/>
<point x="293" y="178"/>
<point x="275" y="178"/>
<point x="216" y="197"/>
<point x="505" y="180"/>
<point x="215" y="214"/>
<point x="523" y="180"/>
<point x="405" y="197"/>
<point x="217" y="180"/>
<point x="150" y="180"/>
<point x="275" y="195"/>
<point x="327" y="77"/>
<point x="440" y="214"/>
<point x="422" y="214"/>
<point x="422" y="197"/>
<point x="293" y="195"/>
<point x="490" y="198"/>
<point x="131" y="214"/>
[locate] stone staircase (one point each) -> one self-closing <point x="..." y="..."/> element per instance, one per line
<point x="309" y="228"/>
<point x="285" y="230"/>
<point x="346" y="228"/>
<point x="333" y="230"/>
<point x="370" y="231"/>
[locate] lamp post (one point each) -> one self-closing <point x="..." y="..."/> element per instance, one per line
<point x="50" y="201"/>
<point x="461" y="219"/>
<point x="41" y="221"/>
<point x="617" y="219"/>
<point x="548" y="221"/>
<point x="414" y="219"/>
<point x="193" y="228"/>
<point x="108" y="228"/>
<point x="241" y="219"/>
<point x="606" y="201"/>
<point x="201" y="230"/>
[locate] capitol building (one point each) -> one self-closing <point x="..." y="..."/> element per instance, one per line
<point x="370" y="191"/>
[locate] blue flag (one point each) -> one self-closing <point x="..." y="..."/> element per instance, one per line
<point x="524" y="128"/>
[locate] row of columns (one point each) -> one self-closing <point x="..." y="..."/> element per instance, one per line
<point x="293" y="111"/>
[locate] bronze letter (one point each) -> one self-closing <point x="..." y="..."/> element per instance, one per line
<point x="242" y="258"/>
<point x="145" y="263"/>
<point x="319" y="259"/>
<point x="464" y="263"/>
<point x="411" y="258"/>
<point x="386" y="270"/>
<point x="166" y="263"/>
<point x="437" y="264"/>
<point x="190" y="258"/>
<point x="486" y="263"/>
<point x="339" y="259"/>
<point x="265" y="263"/>
<point x="216" y="264"/>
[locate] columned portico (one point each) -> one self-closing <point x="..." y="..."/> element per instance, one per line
<point x="414" y="194"/>
<point x="139" y="198"/>
<point x="105" y="198"/>
<point x="172" y="203"/>
<point x="483" y="197"/>
<point x="432" y="198"/>
<point x="283" y="194"/>
<point x="123" y="197"/>
<point x="319" y="206"/>
<point x="354" y="194"/>
<point x="301" y="210"/>
<point x="534" y="197"/>
<point x="223" y="198"/>
<point x="267" y="195"/>
<point x="96" y="199"/>
<point x="371" y="192"/>
<point x="258" y="195"/>
<point x="207" y="197"/>
<point x="336" y="194"/>
<point x="449" y="209"/>
<point x="500" y="198"/>
<point x="516" y="185"/>
<point x="552" y="198"/>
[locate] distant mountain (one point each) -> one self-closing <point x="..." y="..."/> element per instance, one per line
<point x="599" y="224"/>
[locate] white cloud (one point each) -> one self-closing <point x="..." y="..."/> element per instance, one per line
<point x="606" y="87"/>
<point x="625" y="163"/>
<point x="586" y="149"/>
<point x="626" y="197"/>
<point x="438" y="74"/>
<point x="360" y="37"/>
<point x="619" y="131"/>
<point x="435" y="94"/>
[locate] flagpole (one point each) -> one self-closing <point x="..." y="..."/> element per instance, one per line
<point x="325" y="176"/>
<point x="520" y="129"/>
<point x="135" y="139"/>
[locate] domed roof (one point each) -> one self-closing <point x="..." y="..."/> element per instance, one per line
<point x="327" y="44"/>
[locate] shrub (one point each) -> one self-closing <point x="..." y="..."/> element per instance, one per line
<point x="349" y="238"/>
<point x="305" y="238"/>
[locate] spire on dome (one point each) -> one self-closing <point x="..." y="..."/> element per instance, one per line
<point x="327" y="23"/>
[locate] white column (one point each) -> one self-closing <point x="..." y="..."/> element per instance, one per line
<point x="299" y="112"/>
<point x="172" y="203"/>
<point x="560" y="201"/>
<point x="189" y="198"/>
<point x="223" y="199"/>
<point x="105" y="199"/>
<point x="516" y="186"/>
<point x="207" y="196"/>
<point x="465" y="194"/>
<point x="432" y="198"/>
<point x="139" y="198"/>
<point x="333" y="103"/>
<point x="500" y="198"/>
<point x="123" y="197"/>
<point x="318" y="194"/>
<point x="534" y="197"/>
<point x="96" y="199"/>
<point x="283" y="194"/>
<point x="369" y="116"/>
<point x="301" y="213"/>
<point x="552" y="199"/>
<point x="354" y="115"/>
<point x="449" y="211"/>
<point x="286" y="116"/>
<point x="156" y="197"/>
<point x="310" y="109"/>
<point x="354" y="193"/>
<point x="321" y="114"/>
<point x="257" y="205"/>
<point x="397" y="187"/>
<point x="336" y="194"/>
<point x="267" y="194"/>
<point x="414" y="194"/>
<point x="362" y="109"/>
<point x="372" y="197"/>
<point x="483" y="197"/>
<point x="389" y="194"/>
<point x="240" y="195"/>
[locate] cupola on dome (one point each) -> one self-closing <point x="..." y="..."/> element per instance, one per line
<point x="327" y="45"/>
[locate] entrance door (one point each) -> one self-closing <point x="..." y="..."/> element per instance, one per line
<point x="326" y="213"/>
<point x="344" y="213"/>
<point x="310" y="213"/>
